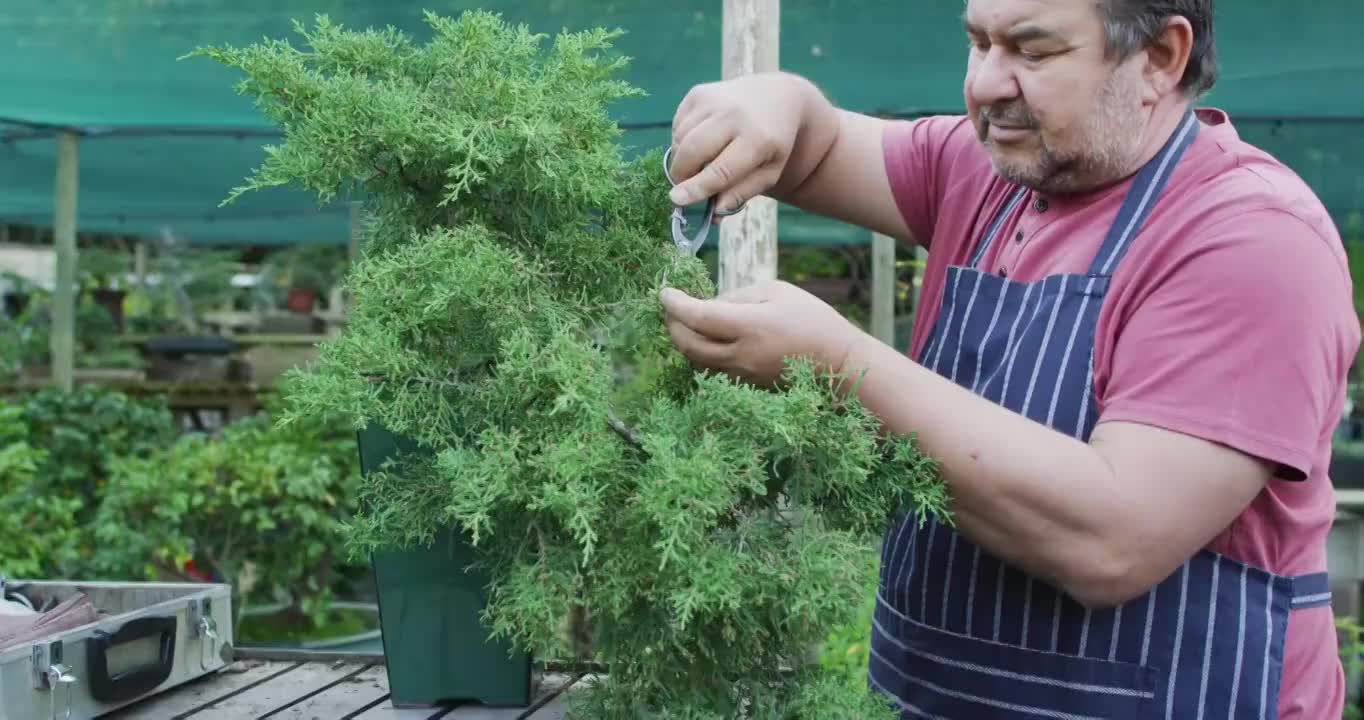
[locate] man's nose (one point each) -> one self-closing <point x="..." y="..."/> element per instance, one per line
<point x="992" y="78"/>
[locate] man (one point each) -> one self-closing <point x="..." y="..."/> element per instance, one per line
<point x="1129" y="361"/>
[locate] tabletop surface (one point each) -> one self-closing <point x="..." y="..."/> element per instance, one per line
<point x="318" y="688"/>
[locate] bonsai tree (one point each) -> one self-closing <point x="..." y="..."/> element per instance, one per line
<point x="505" y="318"/>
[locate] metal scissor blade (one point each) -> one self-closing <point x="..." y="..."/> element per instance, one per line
<point x="688" y="245"/>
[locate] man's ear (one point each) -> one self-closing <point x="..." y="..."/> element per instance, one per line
<point x="1167" y="57"/>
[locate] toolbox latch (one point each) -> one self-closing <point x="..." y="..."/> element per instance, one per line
<point x="50" y="673"/>
<point x="202" y="625"/>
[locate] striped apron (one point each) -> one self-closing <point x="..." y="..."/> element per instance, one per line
<point x="959" y="634"/>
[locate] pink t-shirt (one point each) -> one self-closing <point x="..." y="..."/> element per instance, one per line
<point x="1230" y="318"/>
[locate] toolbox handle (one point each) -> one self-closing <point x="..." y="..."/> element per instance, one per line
<point x="130" y="684"/>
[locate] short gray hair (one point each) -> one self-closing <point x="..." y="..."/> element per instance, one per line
<point x="1131" y="25"/>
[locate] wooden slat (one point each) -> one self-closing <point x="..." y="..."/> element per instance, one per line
<point x="345" y="698"/>
<point x="547" y="701"/>
<point x="478" y="712"/>
<point x="550" y="703"/>
<point x="386" y="711"/>
<point x="1350" y="499"/>
<point x="177" y="701"/>
<point x="883" y="288"/>
<point x="324" y="690"/>
<point x="282" y="692"/>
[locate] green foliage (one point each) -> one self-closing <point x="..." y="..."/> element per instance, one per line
<point x="97" y="485"/>
<point x="99" y="266"/>
<point x="87" y="429"/>
<point x="26" y="339"/>
<point x="1350" y="635"/>
<point x="289" y="627"/>
<point x="38" y="531"/>
<point x="505" y="316"/>
<point x="260" y="506"/>
<point x="847" y="647"/>
<point x="76" y="437"/>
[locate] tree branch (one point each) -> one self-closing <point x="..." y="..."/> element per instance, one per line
<point x="625" y="431"/>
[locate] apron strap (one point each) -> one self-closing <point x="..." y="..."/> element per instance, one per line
<point x="998" y="222"/>
<point x="1311" y="590"/>
<point x="1141" y="197"/>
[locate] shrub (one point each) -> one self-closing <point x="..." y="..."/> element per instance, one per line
<point x="505" y="317"/>
<point x="258" y="506"/>
<point x="72" y="439"/>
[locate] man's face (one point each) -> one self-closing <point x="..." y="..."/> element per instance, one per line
<point x="1054" y="113"/>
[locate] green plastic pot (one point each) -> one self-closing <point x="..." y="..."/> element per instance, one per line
<point x="436" y="647"/>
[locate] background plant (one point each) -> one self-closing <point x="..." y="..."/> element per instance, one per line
<point x="259" y="507"/>
<point x="1350" y="635"/>
<point x="38" y="531"/>
<point x="74" y="438"/>
<point x="505" y="318"/>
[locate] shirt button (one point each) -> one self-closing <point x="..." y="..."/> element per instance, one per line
<point x="1040" y="205"/>
<point x="1003" y="271"/>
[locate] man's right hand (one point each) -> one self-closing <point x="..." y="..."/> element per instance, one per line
<point x="775" y="134"/>
<point x="734" y="138"/>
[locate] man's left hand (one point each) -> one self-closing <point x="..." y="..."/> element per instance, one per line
<point x="748" y="333"/>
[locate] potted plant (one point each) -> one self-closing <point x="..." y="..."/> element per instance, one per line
<point x="103" y="273"/>
<point x="307" y="272"/>
<point x="540" y="449"/>
<point x="17" y="291"/>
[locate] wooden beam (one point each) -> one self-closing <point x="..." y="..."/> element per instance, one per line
<point x="921" y="258"/>
<point x="748" y="241"/>
<point x="140" y="261"/>
<point x="357" y="218"/>
<point x="883" y="288"/>
<point x="64" y="240"/>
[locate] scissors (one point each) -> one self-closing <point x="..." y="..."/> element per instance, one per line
<point x="685" y="244"/>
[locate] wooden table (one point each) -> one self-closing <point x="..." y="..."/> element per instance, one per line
<point x="301" y="685"/>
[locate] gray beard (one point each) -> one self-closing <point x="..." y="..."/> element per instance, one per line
<point x="1115" y="136"/>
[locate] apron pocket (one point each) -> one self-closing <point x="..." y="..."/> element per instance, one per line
<point x="943" y="674"/>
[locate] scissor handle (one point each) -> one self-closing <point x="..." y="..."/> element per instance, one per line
<point x="710" y="211"/>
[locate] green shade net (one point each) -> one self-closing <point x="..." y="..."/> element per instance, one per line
<point x="166" y="139"/>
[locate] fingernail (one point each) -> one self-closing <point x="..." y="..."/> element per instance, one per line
<point x="671" y="295"/>
<point x="678" y="196"/>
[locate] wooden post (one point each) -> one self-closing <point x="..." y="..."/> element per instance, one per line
<point x="64" y="242"/>
<point x="883" y="288"/>
<point x="357" y="216"/>
<point x="357" y="219"/>
<point x="748" y="241"/>
<point x="921" y="258"/>
<point x="140" y="261"/>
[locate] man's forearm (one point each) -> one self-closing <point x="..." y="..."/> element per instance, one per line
<point x="819" y="128"/>
<point x="1041" y="500"/>
<point x="836" y="168"/>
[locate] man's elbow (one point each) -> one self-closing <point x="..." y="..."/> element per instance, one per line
<point x="1107" y="578"/>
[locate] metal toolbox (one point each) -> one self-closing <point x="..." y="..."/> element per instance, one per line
<point x="146" y="637"/>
